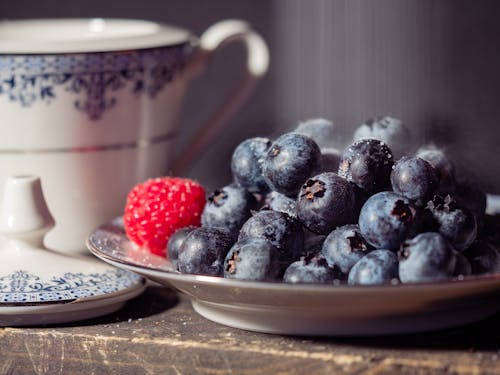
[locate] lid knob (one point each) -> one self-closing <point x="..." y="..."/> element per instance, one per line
<point x="24" y="214"/>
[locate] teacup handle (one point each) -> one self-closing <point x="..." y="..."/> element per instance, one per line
<point x="257" y="62"/>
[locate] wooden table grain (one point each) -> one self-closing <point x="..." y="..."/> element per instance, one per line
<point x="159" y="333"/>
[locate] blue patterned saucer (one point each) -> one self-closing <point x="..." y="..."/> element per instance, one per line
<point x="83" y="288"/>
<point x="21" y="288"/>
<point x="40" y="286"/>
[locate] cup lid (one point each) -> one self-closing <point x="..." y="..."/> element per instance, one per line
<point x="40" y="36"/>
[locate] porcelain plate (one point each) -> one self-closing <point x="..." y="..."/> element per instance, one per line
<point x="310" y="309"/>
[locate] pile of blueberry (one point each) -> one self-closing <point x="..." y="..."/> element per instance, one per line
<point x="299" y="211"/>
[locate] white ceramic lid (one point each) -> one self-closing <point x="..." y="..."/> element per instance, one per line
<point x="39" y="286"/>
<point x="40" y="36"/>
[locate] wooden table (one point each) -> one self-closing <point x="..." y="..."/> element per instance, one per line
<point x="159" y="333"/>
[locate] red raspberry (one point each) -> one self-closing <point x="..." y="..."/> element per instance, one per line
<point x="156" y="208"/>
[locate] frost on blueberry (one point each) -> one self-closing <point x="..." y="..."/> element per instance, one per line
<point x="344" y="246"/>
<point x="228" y="208"/>
<point x="322" y="131"/>
<point x="386" y="220"/>
<point x="247" y="163"/>
<point x="377" y="267"/>
<point x="414" y="178"/>
<point x="175" y="242"/>
<point x="279" y="202"/>
<point x="368" y="164"/>
<point x="426" y="257"/>
<point x="311" y="269"/>
<point x="389" y="130"/>
<point x="204" y="250"/>
<point x="325" y="202"/>
<point x="458" y="226"/>
<point x="253" y="258"/>
<point x="291" y="160"/>
<point x="282" y="230"/>
<point x="442" y="164"/>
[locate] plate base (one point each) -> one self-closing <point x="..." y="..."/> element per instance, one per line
<point x="303" y="323"/>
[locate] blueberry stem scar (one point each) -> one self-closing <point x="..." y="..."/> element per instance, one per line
<point x="231" y="264"/>
<point x="314" y="188"/>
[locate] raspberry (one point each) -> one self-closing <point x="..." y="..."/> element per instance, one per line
<point x="156" y="208"/>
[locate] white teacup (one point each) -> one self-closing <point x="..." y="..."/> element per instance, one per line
<point x="91" y="106"/>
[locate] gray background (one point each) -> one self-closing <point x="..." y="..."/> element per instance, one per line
<point x="433" y="63"/>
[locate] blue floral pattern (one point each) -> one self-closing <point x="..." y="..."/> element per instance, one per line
<point x="91" y="77"/>
<point x="21" y="287"/>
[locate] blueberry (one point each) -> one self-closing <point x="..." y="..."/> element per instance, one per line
<point x="491" y="229"/>
<point x="228" y="208"/>
<point x="426" y="257"/>
<point x="443" y="165"/>
<point x="471" y="197"/>
<point x="322" y="131"/>
<point x="458" y="226"/>
<point x="462" y="265"/>
<point x="360" y="198"/>
<point x="291" y="159"/>
<point x="175" y="242"/>
<point x="283" y="231"/>
<point x="387" y="129"/>
<point x="311" y="269"/>
<point x="246" y="164"/>
<point x="376" y="267"/>
<point x="204" y="250"/>
<point x="313" y="243"/>
<point x="414" y="178"/>
<point x="325" y="202"/>
<point x="254" y="259"/>
<point x="484" y="257"/>
<point x="279" y="202"/>
<point x="386" y="219"/>
<point x="345" y="246"/>
<point x="368" y="164"/>
<point x="424" y="221"/>
<point x="330" y="160"/>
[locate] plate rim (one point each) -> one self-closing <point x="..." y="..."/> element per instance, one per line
<point x="278" y="285"/>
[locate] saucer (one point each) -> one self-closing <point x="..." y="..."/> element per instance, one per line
<point x="75" y="289"/>
<point x="39" y="286"/>
<point x="310" y="310"/>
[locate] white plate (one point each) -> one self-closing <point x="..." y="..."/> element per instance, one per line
<point x="310" y="309"/>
